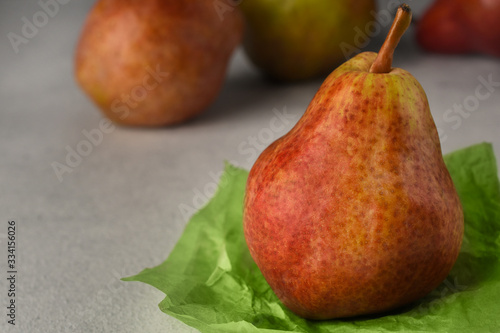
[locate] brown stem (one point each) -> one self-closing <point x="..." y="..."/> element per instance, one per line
<point x="383" y="62"/>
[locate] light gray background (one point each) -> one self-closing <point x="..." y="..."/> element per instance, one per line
<point x="119" y="211"/>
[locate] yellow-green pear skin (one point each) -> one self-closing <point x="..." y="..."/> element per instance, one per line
<point x="302" y="39"/>
<point x="353" y="211"/>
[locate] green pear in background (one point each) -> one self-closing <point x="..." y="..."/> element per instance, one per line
<point x="300" y="39"/>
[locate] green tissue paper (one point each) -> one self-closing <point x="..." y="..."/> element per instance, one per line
<point x="212" y="284"/>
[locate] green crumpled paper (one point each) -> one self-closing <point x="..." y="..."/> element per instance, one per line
<point x="212" y="284"/>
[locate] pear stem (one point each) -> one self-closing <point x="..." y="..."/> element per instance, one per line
<point x="383" y="62"/>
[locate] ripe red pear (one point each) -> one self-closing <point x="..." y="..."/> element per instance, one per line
<point x="155" y="62"/>
<point x="353" y="211"/>
<point x="461" y="26"/>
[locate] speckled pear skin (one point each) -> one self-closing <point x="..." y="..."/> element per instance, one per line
<point x="353" y="211"/>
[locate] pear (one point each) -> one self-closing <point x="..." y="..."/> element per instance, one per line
<point x="301" y="39"/>
<point x="460" y="26"/>
<point x="155" y="62"/>
<point x="353" y="211"/>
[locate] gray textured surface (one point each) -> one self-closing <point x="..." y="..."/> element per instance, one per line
<point x="118" y="211"/>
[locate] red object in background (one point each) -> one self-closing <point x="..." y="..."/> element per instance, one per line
<point x="461" y="26"/>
